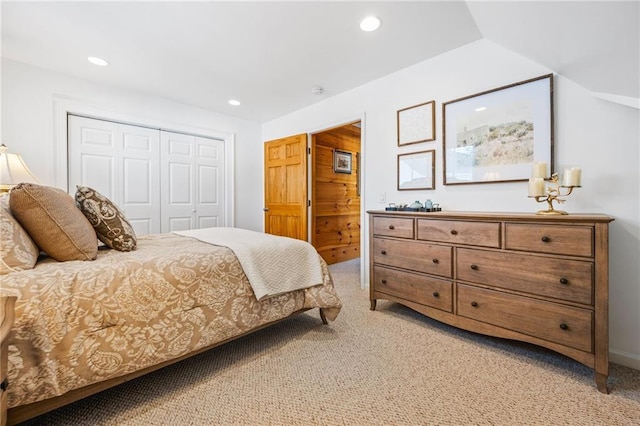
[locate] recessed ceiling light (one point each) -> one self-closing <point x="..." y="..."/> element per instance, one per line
<point x="234" y="102"/>
<point x="97" y="61"/>
<point x="480" y="109"/>
<point x="370" y="23"/>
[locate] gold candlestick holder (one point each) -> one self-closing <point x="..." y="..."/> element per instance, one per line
<point x="553" y="194"/>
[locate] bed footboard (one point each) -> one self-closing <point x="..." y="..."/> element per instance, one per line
<point x="7" y="315"/>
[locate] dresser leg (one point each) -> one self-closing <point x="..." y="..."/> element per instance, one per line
<point x="373" y="305"/>
<point x="601" y="381"/>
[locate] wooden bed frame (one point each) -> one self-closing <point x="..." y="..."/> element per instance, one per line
<point x="26" y="412"/>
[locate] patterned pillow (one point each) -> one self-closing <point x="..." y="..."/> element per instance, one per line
<point x="52" y="219"/>
<point x="108" y="220"/>
<point x="17" y="251"/>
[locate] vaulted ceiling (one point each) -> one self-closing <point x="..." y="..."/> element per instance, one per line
<point x="269" y="55"/>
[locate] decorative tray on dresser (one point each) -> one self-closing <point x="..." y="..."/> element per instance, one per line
<point x="535" y="278"/>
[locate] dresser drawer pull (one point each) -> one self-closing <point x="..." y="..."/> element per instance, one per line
<point x="435" y="261"/>
<point x="564" y="326"/>
<point x="392" y="227"/>
<point x="383" y="252"/>
<point x="383" y="281"/>
<point x="436" y="294"/>
<point x="474" y="267"/>
<point x="545" y="239"/>
<point x="474" y="304"/>
<point x="454" y="232"/>
<point x="564" y="281"/>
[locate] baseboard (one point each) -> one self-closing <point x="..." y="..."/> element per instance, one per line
<point x="625" y="358"/>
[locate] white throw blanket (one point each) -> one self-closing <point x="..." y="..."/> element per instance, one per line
<point x="273" y="264"/>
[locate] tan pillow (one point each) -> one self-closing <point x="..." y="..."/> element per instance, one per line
<point x="17" y="251"/>
<point x="108" y="220"/>
<point x="51" y="218"/>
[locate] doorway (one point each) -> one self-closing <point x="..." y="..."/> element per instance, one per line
<point x="335" y="192"/>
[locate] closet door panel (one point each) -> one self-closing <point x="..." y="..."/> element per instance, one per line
<point x="140" y="185"/>
<point x="210" y="183"/>
<point x="92" y="150"/>
<point x="206" y="202"/>
<point x="180" y="188"/>
<point x="177" y="175"/>
<point x="97" y="172"/>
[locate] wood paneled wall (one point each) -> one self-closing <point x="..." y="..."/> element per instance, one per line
<point x="335" y="201"/>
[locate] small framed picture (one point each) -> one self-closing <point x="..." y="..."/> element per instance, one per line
<point x="341" y="162"/>
<point x="416" y="170"/>
<point x="417" y="124"/>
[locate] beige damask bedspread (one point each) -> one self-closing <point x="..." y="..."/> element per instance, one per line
<point x="82" y="322"/>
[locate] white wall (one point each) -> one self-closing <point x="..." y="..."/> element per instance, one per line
<point x="599" y="136"/>
<point x="28" y="95"/>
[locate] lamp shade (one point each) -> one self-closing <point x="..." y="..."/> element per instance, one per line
<point x="13" y="170"/>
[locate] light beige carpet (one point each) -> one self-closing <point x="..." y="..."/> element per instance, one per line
<point x="391" y="366"/>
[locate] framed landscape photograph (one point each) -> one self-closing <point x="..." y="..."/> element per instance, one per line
<point x="497" y="135"/>
<point x="416" y="170"/>
<point x="417" y="124"/>
<point x="341" y="162"/>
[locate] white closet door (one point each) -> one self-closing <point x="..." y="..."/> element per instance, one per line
<point x="163" y="181"/>
<point x="177" y="176"/>
<point x="140" y="187"/>
<point x="92" y="155"/>
<point x="121" y="162"/>
<point x="193" y="182"/>
<point x="210" y="182"/>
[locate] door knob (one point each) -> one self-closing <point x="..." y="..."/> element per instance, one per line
<point x="265" y="209"/>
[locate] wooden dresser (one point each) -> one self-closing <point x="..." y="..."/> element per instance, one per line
<point x="538" y="279"/>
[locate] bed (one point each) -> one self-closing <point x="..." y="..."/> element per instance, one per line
<point x="83" y="326"/>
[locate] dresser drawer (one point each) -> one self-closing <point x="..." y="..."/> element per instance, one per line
<point x="414" y="287"/>
<point x="565" y="325"/>
<point x="559" y="278"/>
<point x="485" y="234"/>
<point x="414" y="255"/>
<point x="399" y="227"/>
<point x="556" y="239"/>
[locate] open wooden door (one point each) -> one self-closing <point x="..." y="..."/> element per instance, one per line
<point x="285" y="187"/>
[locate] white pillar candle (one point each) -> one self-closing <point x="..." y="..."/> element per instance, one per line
<point x="576" y="175"/>
<point x="572" y="176"/>
<point x="541" y="188"/>
<point x="539" y="170"/>
<point x="536" y="187"/>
